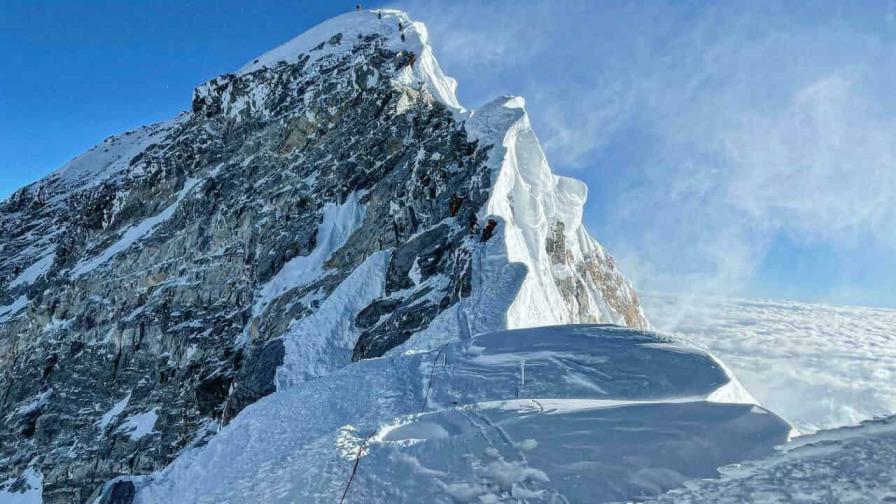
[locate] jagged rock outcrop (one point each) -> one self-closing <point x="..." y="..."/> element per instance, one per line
<point x="295" y="219"/>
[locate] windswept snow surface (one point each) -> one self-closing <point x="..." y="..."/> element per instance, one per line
<point x="111" y="156"/>
<point x="26" y="490"/>
<point x="852" y="464"/>
<point x="818" y="366"/>
<point x="604" y="414"/>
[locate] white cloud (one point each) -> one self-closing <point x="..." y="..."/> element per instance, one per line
<point x="824" y="167"/>
<point x="709" y="130"/>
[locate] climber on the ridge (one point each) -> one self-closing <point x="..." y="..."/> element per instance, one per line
<point x="357" y="7"/>
<point x="488" y="230"/>
<point x="454" y="204"/>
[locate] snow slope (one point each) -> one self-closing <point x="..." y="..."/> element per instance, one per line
<point x="28" y="493"/>
<point x="604" y="412"/>
<point x="531" y="200"/>
<point x="518" y="283"/>
<point x="818" y="366"/>
<point x="853" y="464"/>
<point x="112" y="156"/>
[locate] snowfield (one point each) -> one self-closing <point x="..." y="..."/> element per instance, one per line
<point x="818" y="366"/>
<point x="29" y="493"/>
<point x="852" y="464"/>
<point x="602" y="414"/>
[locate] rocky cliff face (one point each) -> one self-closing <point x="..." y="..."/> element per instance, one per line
<point x="303" y="214"/>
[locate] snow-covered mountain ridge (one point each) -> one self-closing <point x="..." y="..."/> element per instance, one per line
<point x="322" y="205"/>
<point x="576" y="413"/>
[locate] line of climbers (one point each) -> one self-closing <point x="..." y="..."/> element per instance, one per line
<point x="379" y="15"/>
<point x="454" y="205"/>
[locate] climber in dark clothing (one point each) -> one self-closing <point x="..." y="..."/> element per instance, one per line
<point x="402" y="36"/>
<point x="473" y="223"/>
<point x="357" y="7"/>
<point x="454" y="204"/>
<point x="488" y="230"/>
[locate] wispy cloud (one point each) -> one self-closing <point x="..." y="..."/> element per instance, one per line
<point x="707" y="130"/>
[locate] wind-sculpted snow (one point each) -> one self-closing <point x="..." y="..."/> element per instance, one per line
<point x="573" y="362"/>
<point x="548" y="450"/>
<point x="818" y="366"/>
<point x="604" y="414"/>
<point x="846" y="465"/>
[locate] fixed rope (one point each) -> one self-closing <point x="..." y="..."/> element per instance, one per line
<point x="432" y="372"/>
<point x="361" y="448"/>
<point x="354" y="469"/>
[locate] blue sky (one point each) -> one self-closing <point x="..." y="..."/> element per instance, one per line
<point x="744" y="149"/>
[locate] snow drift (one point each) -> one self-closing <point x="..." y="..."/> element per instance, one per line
<point x="602" y="414"/>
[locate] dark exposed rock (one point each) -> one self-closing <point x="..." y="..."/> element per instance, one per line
<point x="164" y="324"/>
<point x="256" y="378"/>
<point x="119" y="492"/>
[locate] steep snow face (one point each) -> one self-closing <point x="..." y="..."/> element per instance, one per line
<point x="554" y="414"/>
<point x="543" y="267"/>
<point x="570" y="277"/>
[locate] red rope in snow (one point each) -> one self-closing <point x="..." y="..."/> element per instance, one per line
<point x="354" y="470"/>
